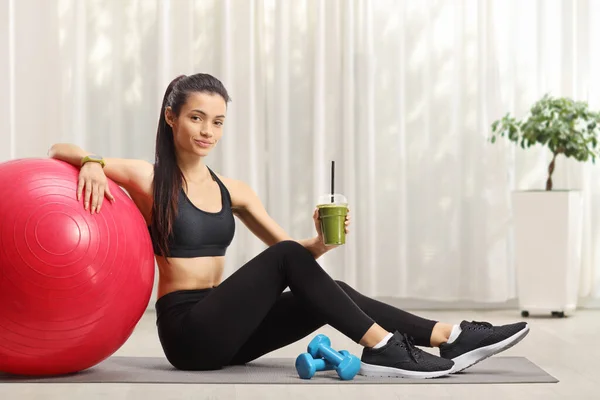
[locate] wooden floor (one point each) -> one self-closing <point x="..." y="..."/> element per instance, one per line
<point x="567" y="348"/>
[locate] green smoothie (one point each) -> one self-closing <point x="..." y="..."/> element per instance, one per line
<point x="333" y="222"/>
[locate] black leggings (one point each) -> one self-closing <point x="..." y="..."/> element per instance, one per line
<point x="249" y="314"/>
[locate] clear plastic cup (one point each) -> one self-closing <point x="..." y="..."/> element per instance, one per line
<point x="332" y="216"/>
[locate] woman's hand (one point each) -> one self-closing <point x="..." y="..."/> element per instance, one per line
<point x="320" y="232"/>
<point x="95" y="183"/>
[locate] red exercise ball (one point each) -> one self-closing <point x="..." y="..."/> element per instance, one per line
<point x="73" y="286"/>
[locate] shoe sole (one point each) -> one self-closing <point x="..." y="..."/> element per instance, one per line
<point x="471" y="358"/>
<point x="378" y="371"/>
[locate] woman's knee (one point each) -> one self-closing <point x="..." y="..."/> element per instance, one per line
<point x="290" y="247"/>
<point x="350" y="291"/>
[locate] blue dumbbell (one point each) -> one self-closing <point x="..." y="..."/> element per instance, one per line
<point x="307" y="366"/>
<point x="346" y="366"/>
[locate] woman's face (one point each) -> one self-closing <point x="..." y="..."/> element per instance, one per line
<point x="199" y="125"/>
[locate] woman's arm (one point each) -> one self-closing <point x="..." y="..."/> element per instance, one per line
<point x="67" y="152"/>
<point x="249" y="209"/>
<point x="135" y="176"/>
<point x="132" y="174"/>
<point x="315" y="246"/>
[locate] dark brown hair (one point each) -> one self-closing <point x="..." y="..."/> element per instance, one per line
<point x="168" y="178"/>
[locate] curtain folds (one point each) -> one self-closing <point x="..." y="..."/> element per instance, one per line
<point x="401" y="94"/>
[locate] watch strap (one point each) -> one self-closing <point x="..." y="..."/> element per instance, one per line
<point x="93" y="158"/>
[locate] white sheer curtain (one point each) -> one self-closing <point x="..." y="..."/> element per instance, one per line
<point x="400" y="94"/>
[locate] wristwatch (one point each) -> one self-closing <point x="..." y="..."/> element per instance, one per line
<point x="93" y="158"/>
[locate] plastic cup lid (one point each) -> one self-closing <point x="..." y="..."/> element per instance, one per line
<point x="335" y="199"/>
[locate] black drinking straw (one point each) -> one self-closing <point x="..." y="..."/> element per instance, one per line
<point x="332" y="178"/>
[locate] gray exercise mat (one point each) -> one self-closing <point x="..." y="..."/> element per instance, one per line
<point x="280" y="371"/>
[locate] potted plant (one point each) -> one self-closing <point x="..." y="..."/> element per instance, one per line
<point x="549" y="223"/>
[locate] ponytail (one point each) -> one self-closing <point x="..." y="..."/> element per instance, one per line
<point x="168" y="178"/>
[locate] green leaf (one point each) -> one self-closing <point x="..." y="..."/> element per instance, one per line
<point x="561" y="124"/>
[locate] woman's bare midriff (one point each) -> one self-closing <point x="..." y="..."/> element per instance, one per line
<point x="183" y="273"/>
<point x="189" y="273"/>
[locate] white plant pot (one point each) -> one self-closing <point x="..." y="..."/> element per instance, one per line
<point x="548" y="241"/>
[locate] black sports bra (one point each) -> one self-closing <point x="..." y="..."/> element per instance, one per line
<point x="198" y="233"/>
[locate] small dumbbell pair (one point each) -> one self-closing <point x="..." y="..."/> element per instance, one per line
<point x="307" y="366"/>
<point x="321" y="357"/>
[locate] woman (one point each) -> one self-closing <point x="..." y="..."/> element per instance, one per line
<point x="205" y="323"/>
